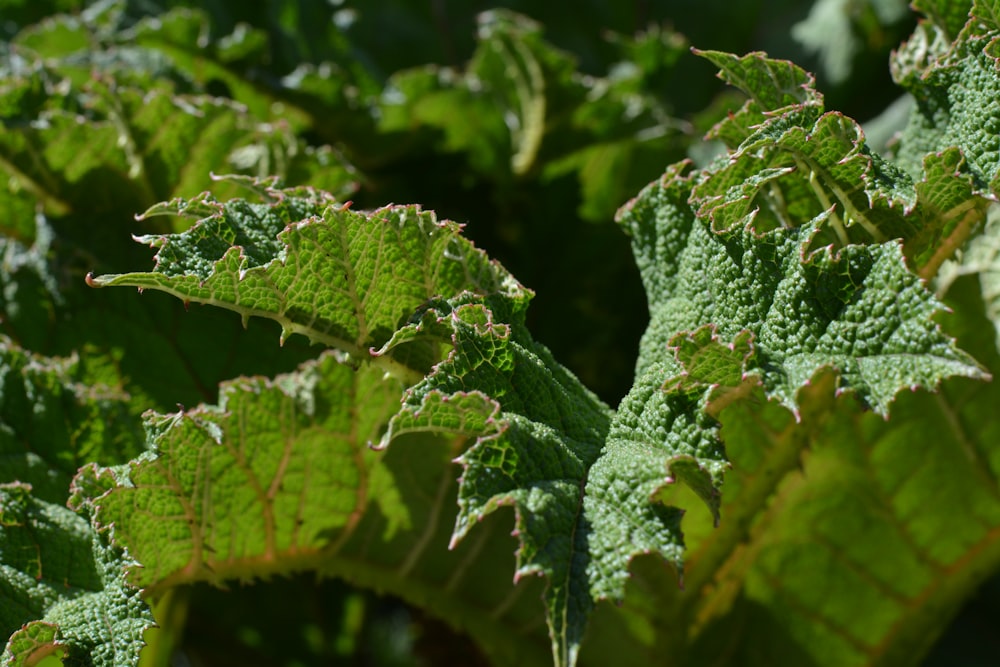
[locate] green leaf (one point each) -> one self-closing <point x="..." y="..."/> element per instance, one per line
<point x="537" y="431"/>
<point x="855" y="490"/>
<point x="282" y="464"/>
<point x="280" y="477"/>
<point x="772" y="84"/>
<point x="980" y="257"/>
<point x="343" y="278"/>
<point x="62" y="587"/>
<point x="858" y="309"/>
<point x="956" y="92"/>
<point x="535" y="447"/>
<point x="949" y="16"/>
<point x="795" y="167"/>
<point x="60" y="570"/>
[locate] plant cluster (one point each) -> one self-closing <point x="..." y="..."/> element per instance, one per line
<point x="803" y="468"/>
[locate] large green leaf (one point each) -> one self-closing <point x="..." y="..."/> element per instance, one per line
<point x="280" y="477"/>
<point x="733" y="306"/>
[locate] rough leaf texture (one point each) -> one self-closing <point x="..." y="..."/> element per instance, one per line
<point x="62" y="588"/>
<point x="737" y="301"/>
<point x="342" y="278"/>
<point x="789" y="317"/>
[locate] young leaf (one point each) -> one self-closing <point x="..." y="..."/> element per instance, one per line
<point x="956" y="92"/>
<point x="795" y="167"/>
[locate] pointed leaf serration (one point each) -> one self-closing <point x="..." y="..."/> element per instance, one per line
<point x="284" y="464"/>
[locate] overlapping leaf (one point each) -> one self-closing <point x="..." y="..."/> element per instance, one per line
<point x="772" y="264"/>
<point x="788" y="312"/>
<point x="780" y="304"/>
<point x="956" y="88"/>
<point x="62" y="588"/>
<point x="280" y="477"/>
<point x="537" y="430"/>
<point x="795" y="165"/>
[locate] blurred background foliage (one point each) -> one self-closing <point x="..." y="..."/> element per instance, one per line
<point x="529" y="122"/>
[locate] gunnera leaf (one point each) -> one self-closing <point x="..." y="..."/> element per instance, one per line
<point x="733" y="307"/>
<point x="342" y="278"/>
<point x="956" y="87"/>
<point x="62" y="585"/>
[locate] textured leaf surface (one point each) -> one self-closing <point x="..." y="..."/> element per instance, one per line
<point x="569" y="471"/>
<point x="798" y="165"/>
<point x="840" y="542"/>
<point x="343" y="278"/>
<point x="736" y="301"/>
<point x="538" y="431"/>
<point x="279" y="477"/>
<point x="956" y="90"/>
<point x="62" y="588"/>
<point x="275" y="468"/>
<point x="782" y="307"/>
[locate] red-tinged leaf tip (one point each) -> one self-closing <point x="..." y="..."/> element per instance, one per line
<point x="346" y="205"/>
<point x="90" y="280"/>
<point x="187" y="304"/>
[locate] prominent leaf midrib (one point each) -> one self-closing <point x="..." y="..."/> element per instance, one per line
<point x="264" y="497"/>
<point x="825" y="179"/>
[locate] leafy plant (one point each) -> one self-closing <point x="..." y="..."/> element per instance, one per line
<point x="804" y="470"/>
